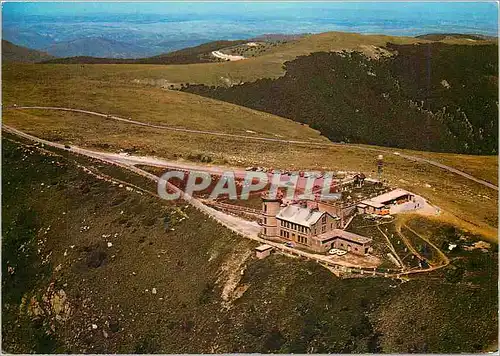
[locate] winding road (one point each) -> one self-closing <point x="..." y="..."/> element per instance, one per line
<point x="267" y="139"/>
<point x="242" y="227"/>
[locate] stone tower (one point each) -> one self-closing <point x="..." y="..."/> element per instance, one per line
<point x="270" y="208"/>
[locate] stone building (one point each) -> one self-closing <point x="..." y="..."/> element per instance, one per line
<point x="309" y="226"/>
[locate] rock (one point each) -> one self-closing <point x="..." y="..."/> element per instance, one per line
<point x="153" y="291"/>
<point x="94" y="326"/>
<point x="445" y="84"/>
<point x="105" y="334"/>
<point x="110" y="244"/>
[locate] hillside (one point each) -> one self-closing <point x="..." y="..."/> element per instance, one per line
<point x="18" y="54"/>
<point x="434" y="97"/>
<point x="197" y="54"/>
<point x="69" y="236"/>
<point x="444" y="36"/>
<point x="269" y="65"/>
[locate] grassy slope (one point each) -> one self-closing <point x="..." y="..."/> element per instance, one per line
<point x="52" y="87"/>
<point x="289" y="305"/>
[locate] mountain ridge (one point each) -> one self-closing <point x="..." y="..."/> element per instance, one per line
<point x="20" y="54"/>
<point x="189" y="55"/>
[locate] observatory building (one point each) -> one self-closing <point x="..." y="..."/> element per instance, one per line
<point x="309" y="226"/>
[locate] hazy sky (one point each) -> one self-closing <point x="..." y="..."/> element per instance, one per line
<point x="487" y="10"/>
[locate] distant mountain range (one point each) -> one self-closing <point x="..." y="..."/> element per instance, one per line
<point x="19" y="54"/>
<point x="96" y="47"/>
<point x="99" y="50"/>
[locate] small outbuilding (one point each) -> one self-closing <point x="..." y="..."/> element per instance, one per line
<point x="263" y="251"/>
<point x="381" y="205"/>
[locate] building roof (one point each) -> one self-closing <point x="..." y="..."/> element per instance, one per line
<point x="392" y="195"/>
<point x="349" y="236"/>
<point x="380" y="200"/>
<point x="299" y="215"/>
<point x="371" y="203"/>
<point x="263" y="248"/>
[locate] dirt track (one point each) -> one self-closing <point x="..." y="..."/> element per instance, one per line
<point x="268" y="139"/>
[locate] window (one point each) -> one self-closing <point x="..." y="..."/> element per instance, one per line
<point x="323" y="228"/>
<point x="265" y="231"/>
<point x="265" y="208"/>
<point x="323" y="220"/>
<point x="265" y="221"/>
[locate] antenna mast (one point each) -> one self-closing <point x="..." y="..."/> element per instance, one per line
<point x="380" y="167"/>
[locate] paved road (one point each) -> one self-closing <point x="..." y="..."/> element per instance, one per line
<point x="219" y="54"/>
<point x="248" y="229"/>
<point x="171" y="128"/>
<point x="451" y="169"/>
<point x="267" y="139"/>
